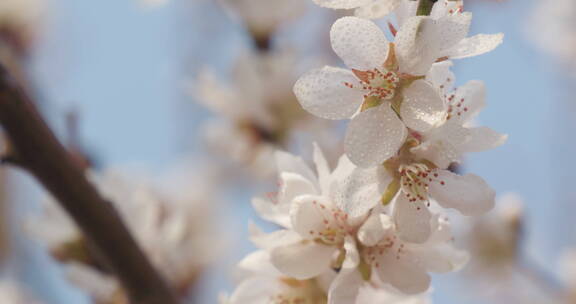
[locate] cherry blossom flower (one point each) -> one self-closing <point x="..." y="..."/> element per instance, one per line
<point x="258" y="113"/>
<point x="385" y="90"/>
<point x="318" y="236"/>
<point x="453" y="137"/>
<point x="168" y="225"/>
<point x="263" y="17"/>
<point x="556" y="27"/>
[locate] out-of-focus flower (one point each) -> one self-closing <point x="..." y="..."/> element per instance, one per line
<point x="258" y="113"/>
<point x="263" y="17"/>
<point x="384" y="92"/>
<point x="496" y="238"/>
<point x="552" y="27"/>
<point x="174" y="229"/>
<point x="18" y="21"/>
<point x="13" y="293"/>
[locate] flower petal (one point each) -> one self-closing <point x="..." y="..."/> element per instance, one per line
<point x="441" y="76"/>
<point x="273" y="239"/>
<point x="469" y="193"/>
<point x="475" y="45"/>
<point x="451" y="30"/>
<point x="361" y="190"/>
<point x="422" y="107"/>
<point x="323" y="93"/>
<point x="308" y="213"/>
<point x="345" y="287"/>
<point x="373" y="229"/>
<point x="360" y="43"/>
<point x="373" y="136"/>
<point x="303" y="260"/>
<point x="341" y="4"/>
<point x="377" y="8"/>
<point x="482" y="139"/>
<point x="322" y="168"/>
<point x="404" y="273"/>
<point x="468" y="101"/>
<point x="293" y="185"/>
<point x="286" y="162"/>
<point x="272" y="212"/>
<point x="412" y="219"/>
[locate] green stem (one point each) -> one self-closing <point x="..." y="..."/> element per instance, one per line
<point x="425" y="7"/>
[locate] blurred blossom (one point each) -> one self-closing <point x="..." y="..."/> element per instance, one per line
<point x="567" y="271"/>
<point x="257" y="113"/>
<point x="552" y="28"/>
<point x="263" y="17"/>
<point x="174" y="228"/>
<point x="18" y="21"/>
<point x="12" y="292"/>
<point x="495" y="238"/>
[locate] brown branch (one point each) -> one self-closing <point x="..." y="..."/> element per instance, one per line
<point x="39" y="152"/>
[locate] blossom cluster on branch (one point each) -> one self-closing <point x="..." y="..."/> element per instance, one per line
<point x="376" y="221"/>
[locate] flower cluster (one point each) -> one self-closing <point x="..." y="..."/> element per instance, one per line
<point x="259" y="113"/>
<point x="168" y="224"/>
<point x="376" y="220"/>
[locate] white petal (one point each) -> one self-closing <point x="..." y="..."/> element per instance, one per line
<point x="323" y="93"/>
<point x="475" y="45"/>
<point x="286" y="162"/>
<point x="472" y="99"/>
<point x="403" y="273"/>
<point x="272" y="212"/>
<point x="444" y="258"/>
<point x="303" y="260"/>
<point x="482" y="139"/>
<point x="373" y="136"/>
<point x="273" y="239"/>
<point x="468" y="194"/>
<point x="352" y="258"/>
<point x="422" y="107"/>
<point x="258" y="262"/>
<point x="445" y="8"/>
<point x="451" y="30"/>
<point x="308" y="214"/>
<point x="293" y="185"/>
<point x="444" y="145"/>
<point x="361" y="190"/>
<point x="414" y="49"/>
<point x="322" y="168"/>
<point x="441" y="76"/>
<point x="412" y="219"/>
<point x="373" y="229"/>
<point x="344" y="289"/>
<point x="422" y="40"/>
<point x="342" y="4"/>
<point x="255" y="290"/>
<point x="360" y="43"/>
<point x="377" y="8"/>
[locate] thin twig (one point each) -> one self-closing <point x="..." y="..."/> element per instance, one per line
<point x="40" y="153"/>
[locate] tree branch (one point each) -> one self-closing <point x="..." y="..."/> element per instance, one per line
<point x="425" y="7"/>
<point x="37" y="149"/>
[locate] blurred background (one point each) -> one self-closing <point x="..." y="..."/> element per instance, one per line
<point x="162" y="102"/>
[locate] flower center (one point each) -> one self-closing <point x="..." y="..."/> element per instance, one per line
<point x="414" y="180"/>
<point x="334" y="226"/>
<point x="377" y="84"/>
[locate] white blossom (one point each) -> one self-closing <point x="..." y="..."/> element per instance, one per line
<point x="385" y="90"/>
<point x="168" y="226"/>
<point x="263" y="17"/>
<point x="319" y="237"/>
<point x="258" y="113"/>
